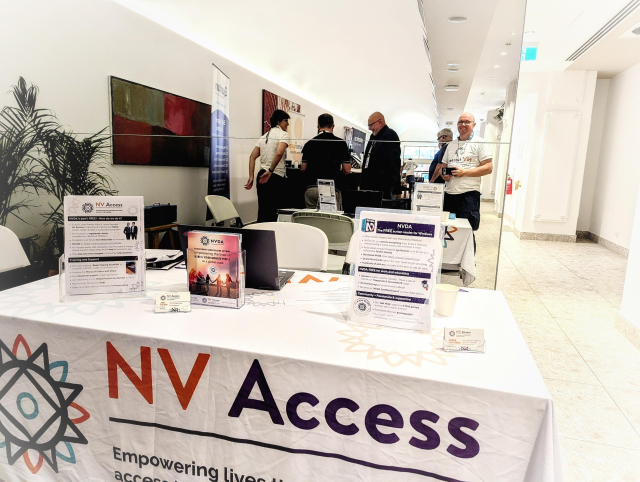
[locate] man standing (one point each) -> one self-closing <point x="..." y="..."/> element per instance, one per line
<point x="444" y="137"/>
<point x="127" y="231"/>
<point x="134" y="231"/>
<point x="471" y="159"/>
<point x="381" y="165"/>
<point x="323" y="157"/>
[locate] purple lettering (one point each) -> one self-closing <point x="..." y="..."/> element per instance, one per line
<point x="267" y="404"/>
<point x="472" y="448"/>
<point x="417" y="422"/>
<point x="292" y="411"/>
<point x="372" y="420"/>
<point x="332" y="421"/>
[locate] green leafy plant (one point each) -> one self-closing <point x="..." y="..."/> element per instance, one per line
<point x="22" y="130"/>
<point x="37" y="156"/>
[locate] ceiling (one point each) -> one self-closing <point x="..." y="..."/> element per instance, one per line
<point x="361" y="56"/>
<point x="476" y="44"/>
<point x="627" y="50"/>
<point x="352" y="58"/>
<point x="561" y="27"/>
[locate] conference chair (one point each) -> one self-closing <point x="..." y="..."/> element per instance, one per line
<point x="337" y="227"/>
<point x="222" y="209"/>
<point x="298" y="246"/>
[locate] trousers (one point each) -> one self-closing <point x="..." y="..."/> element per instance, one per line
<point x="465" y="205"/>
<point x="270" y="196"/>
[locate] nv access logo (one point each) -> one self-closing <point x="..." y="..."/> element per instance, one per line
<point x="36" y="407"/>
<point x="369" y="225"/>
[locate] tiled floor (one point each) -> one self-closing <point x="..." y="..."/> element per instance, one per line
<point x="564" y="297"/>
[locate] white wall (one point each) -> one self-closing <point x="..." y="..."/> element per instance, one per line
<point x="69" y="48"/>
<point x="593" y="154"/>
<point x="618" y="174"/>
<point x="630" y="307"/>
<point x="553" y="183"/>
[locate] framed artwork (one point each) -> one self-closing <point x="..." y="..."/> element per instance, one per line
<point x="271" y="102"/>
<point x="156" y="128"/>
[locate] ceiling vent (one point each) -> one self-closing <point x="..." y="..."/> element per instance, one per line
<point x="449" y="123"/>
<point x="452" y="88"/>
<point x="610" y="25"/>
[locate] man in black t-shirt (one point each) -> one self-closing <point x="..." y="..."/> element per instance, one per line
<point x="326" y="156"/>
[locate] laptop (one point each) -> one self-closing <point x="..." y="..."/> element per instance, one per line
<point x="366" y="199"/>
<point x="262" y="270"/>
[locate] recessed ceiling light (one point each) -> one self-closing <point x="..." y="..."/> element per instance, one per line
<point x="453" y="64"/>
<point x="452" y="88"/>
<point x="449" y="108"/>
<point x="453" y="70"/>
<point x="529" y="32"/>
<point x="503" y="53"/>
<point x="490" y="78"/>
<point x="457" y="19"/>
<point x="514" y="33"/>
<point x="496" y="66"/>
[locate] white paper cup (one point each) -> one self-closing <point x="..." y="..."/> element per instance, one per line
<point x="446" y="296"/>
<point x="444" y="216"/>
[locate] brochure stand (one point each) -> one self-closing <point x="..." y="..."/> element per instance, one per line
<point x="327" y="196"/>
<point x="396" y="266"/>
<point x="217" y="287"/>
<point x="104" y="248"/>
<point x="428" y="198"/>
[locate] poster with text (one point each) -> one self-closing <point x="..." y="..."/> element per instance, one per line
<point x="219" y="165"/>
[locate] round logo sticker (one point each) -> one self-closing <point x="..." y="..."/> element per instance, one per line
<point x="163" y="297"/>
<point x="213" y="270"/>
<point x="452" y="333"/>
<point x="362" y="307"/>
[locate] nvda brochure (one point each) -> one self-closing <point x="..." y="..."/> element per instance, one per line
<point x="215" y="269"/>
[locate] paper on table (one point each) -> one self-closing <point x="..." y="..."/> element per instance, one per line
<point x="334" y="293"/>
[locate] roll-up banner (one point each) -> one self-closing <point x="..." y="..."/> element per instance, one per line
<point x="219" y="165"/>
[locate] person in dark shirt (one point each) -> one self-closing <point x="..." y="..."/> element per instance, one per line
<point x="444" y="137"/>
<point x="326" y="156"/>
<point x="381" y="166"/>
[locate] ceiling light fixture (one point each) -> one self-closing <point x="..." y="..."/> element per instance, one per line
<point x="514" y="33"/>
<point x="490" y="78"/>
<point x="503" y="53"/>
<point x="453" y="64"/>
<point x="496" y="66"/>
<point x="457" y="19"/>
<point x="449" y="108"/>
<point x="453" y="70"/>
<point x="452" y="88"/>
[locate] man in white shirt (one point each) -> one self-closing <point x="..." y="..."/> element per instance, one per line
<point x="470" y="159"/>
<point x="270" y="151"/>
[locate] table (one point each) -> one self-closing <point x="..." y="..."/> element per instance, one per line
<point x="458" y="253"/>
<point x="280" y="390"/>
<point x="154" y="235"/>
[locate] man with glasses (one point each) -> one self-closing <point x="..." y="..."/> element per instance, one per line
<point x="381" y="166"/>
<point x="470" y="159"/>
<point x="444" y="137"/>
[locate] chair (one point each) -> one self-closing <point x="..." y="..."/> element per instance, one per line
<point x="13" y="255"/>
<point x="222" y="209"/>
<point x="337" y="227"/>
<point x="298" y="246"/>
<point x="350" y="257"/>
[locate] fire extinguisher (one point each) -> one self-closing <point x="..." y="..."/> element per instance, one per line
<point x="509" y="185"/>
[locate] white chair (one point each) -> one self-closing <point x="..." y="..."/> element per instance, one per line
<point x="222" y="209"/>
<point x="337" y="227"/>
<point x="13" y="255"/>
<point x="299" y="247"/>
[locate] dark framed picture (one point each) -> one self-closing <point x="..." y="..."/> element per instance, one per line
<point x="156" y="128"/>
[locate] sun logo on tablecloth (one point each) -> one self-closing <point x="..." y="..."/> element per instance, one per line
<point x="35" y="407"/>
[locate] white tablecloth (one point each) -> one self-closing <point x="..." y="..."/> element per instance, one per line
<point x="458" y="251"/>
<point x="264" y="391"/>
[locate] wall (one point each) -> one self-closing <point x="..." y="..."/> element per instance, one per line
<point x="593" y="154"/>
<point x="70" y="49"/>
<point x="553" y="181"/>
<point x="628" y="318"/>
<point x="618" y="173"/>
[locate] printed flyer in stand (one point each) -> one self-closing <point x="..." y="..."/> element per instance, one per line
<point x="104" y="244"/>
<point x="214" y="265"/>
<point x="397" y="263"/>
